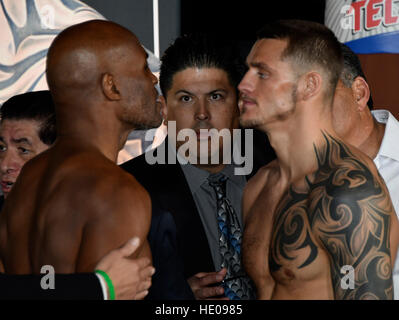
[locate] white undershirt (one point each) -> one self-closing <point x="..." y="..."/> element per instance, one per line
<point x="103" y="285"/>
<point x="387" y="163"/>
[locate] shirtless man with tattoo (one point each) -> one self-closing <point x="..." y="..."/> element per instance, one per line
<point x="72" y="204"/>
<point x="321" y="204"/>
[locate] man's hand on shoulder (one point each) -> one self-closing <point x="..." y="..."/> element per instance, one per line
<point x="131" y="278"/>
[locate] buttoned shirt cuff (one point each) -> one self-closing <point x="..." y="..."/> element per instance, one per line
<point x="103" y="285"/>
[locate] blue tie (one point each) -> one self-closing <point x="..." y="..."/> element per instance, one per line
<point x="237" y="285"/>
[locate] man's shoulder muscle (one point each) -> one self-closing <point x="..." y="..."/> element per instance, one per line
<point x="350" y="211"/>
<point x="119" y="191"/>
<point x="122" y="211"/>
<point x="352" y="187"/>
<point x="265" y="176"/>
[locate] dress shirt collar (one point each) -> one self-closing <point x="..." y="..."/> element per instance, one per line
<point x="389" y="146"/>
<point x="196" y="177"/>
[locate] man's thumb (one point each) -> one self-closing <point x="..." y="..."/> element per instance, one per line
<point x="129" y="247"/>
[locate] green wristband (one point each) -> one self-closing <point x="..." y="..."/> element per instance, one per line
<point x="109" y="283"/>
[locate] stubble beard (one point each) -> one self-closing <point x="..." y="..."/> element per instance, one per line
<point x="258" y="120"/>
<point x="249" y="123"/>
<point x="147" y="117"/>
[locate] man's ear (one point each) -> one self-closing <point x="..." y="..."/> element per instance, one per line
<point x="309" y="85"/>
<point x="164" y="109"/>
<point x="109" y="87"/>
<point x="361" y="93"/>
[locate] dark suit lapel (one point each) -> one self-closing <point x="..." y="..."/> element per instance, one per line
<point x="178" y="200"/>
<point x="167" y="185"/>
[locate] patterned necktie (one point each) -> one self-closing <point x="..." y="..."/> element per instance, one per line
<point x="237" y="285"/>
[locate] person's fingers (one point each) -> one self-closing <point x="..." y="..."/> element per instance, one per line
<point x="222" y="272"/>
<point x="143" y="262"/>
<point x="209" y="292"/>
<point x="147" y="272"/>
<point x="223" y="298"/>
<point x="144" y="285"/>
<point x="141" y="295"/>
<point x="108" y="261"/>
<point x="201" y="274"/>
<point x="129" y="247"/>
<point x="210" y="279"/>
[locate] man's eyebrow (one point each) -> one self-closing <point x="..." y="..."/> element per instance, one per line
<point x="182" y="91"/>
<point x="218" y="90"/>
<point x="22" y="140"/>
<point x="2" y="140"/>
<point x="259" y="65"/>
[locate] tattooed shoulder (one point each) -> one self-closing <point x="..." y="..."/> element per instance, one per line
<point x="345" y="212"/>
<point x="350" y="213"/>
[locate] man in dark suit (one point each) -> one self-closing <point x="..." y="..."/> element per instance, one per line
<point x="198" y="79"/>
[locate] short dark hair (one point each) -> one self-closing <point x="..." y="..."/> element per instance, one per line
<point x="308" y="43"/>
<point x="198" y="50"/>
<point x="36" y="105"/>
<point x="352" y="69"/>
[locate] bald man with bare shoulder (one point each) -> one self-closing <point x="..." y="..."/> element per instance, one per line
<point x="72" y="204"/>
<point x="319" y="221"/>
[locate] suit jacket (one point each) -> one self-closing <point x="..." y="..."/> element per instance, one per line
<point x="171" y="196"/>
<point x="168" y="282"/>
<point x="67" y="286"/>
<point x="169" y="190"/>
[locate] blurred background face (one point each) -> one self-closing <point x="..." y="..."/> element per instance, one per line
<point x="344" y="111"/>
<point x="19" y="142"/>
<point x="202" y="99"/>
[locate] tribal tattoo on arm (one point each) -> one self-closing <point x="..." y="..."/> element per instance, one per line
<point x="347" y="211"/>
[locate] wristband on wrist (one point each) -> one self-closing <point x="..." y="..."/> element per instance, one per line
<point x="109" y="283"/>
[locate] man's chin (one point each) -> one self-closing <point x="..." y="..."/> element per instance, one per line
<point x="149" y="125"/>
<point x="198" y="159"/>
<point x="249" y="123"/>
<point x="247" y="120"/>
<point x="212" y="157"/>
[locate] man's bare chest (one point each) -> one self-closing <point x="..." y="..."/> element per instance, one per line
<point x="295" y="252"/>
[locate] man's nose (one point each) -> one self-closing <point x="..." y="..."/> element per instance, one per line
<point x="8" y="162"/>
<point x="245" y="85"/>
<point x="154" y="78"/>
<point x="202" y="111"/>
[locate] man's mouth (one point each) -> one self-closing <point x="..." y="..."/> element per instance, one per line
<point x="245" y="102"/>
<point x="158" y="101"/>
<point x="6" y="185"/>
<point x="203" y="134"/>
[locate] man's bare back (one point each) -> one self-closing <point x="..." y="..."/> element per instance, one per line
<point x="79" y="207"/>
<point x="308" y="231"/>
<point x="72" y="204"/>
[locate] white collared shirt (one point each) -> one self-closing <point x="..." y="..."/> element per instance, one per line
<point x="387" y="163"/>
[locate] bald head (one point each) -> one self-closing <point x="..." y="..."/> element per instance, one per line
<point x="99" y="69"/>
<point x="82" y="53"/>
